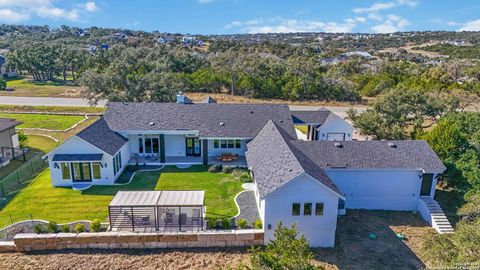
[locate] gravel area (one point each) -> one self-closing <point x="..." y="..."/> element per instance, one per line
<point x="248" y="207"/>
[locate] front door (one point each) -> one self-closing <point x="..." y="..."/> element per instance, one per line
<point x="193" y="147"/>
<point x="82" y="172"/>
<point x="427" y="181"/>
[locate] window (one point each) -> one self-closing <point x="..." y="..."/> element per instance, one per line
<point x="216" y="144"/>
<point x="341" y="204"/>
<point x="97" y="173"/>
<point x="140" y="145"/>
<point x="148" y="145"/>
<point x="319" y="209"/>
<point x="154" y="146"/>
<point x="307" y="209"/>
<point x="76" y="171"/>
<point x="231" y="144"/>
<point x="238" y="144"/>
<point x="86" y="171"/>
<point x="296" y="209"/>
<point x="117" y="163"/>
<point x="66" y="171"/>
<point x="223" y="143"/>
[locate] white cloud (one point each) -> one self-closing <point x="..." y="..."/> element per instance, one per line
<point x="452" y="23"/>
<point x="10" y="16"/>
<point x="379" y="6"/>
<point x="393" y="23"/>
<point x="22" y="10"/>
<point x="282" y="25"/>
<point x="471" y="26"/>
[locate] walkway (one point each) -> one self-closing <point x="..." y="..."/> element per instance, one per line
<point x="248" y="208"/>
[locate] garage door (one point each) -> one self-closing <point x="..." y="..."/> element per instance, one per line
<point x="335" y="136"/>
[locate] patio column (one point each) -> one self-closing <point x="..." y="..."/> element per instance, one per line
<point x="162" y="148"/>
<point x="205" y="151"/>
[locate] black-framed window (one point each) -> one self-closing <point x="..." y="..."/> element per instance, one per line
<point x="296" y="209"/>
<point x="238" y="144"/>
<point x="140" y="145"/>
<point x="230" y="144"/>
<point x="66" y="171"/>
<point x="341" y="204"/>
<point x="77" y="171"/>
<point x="223" y="143"/>
<point x="227" y="144"/>
<point x="216" y="144"/>
<point x="319" y="209"/>
<point x="96" y="170"/>
<point x="148" y="145"/>
<point x="307" y="209"/>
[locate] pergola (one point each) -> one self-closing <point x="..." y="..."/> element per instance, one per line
<point x="158" y="210"/>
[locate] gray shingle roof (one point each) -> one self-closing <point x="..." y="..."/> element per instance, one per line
<point x="210" y="119"/>
<point x="77" y="157"/>
<point x="371" y="155"/>
<point x="311" y="117"/>
<point x="8" y="123"/>
<point x="100" y="135"/>
<point x="274" y="164"/>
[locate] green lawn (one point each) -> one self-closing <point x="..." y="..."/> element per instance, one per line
<point x="64" y="204"/>
<point x="47" y="121"/>
<point x="51" y="109"/>
<point x="42" y="143"/>
<point x="26" y="87"/>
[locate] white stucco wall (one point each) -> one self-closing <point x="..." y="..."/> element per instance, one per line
<point x="215" y="152"/>
<point x="174" y="145"/>
<point x="319" y="230"/>
<point x="378" y="189"/>
<point x="335" y="125"/>
<point x="76" y="145"/>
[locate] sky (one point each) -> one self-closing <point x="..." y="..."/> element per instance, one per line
<point x="248" y="16"/>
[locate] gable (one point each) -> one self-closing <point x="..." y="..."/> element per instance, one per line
<point x="75" y="145"/>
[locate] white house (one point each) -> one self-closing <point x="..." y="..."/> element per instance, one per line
<point x="9" y="144"/>
<point x="323" y="125"/>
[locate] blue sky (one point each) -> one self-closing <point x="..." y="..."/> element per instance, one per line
<point x="248" y="16"/>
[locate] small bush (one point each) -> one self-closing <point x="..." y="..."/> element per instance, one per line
<point x="65" y="228"/>
<point x="212" y="223"/>
<point x="227" y="169"/>
<point x="242" y="223"/>
<point x="38" y="228"/>
<point x="257" y="224"/>
<point x="225" y="223"/>
<point x="95" y="226"/>
<point x="215" y="168"/>
<point x="245" y="177"/>
<point x="52" y="227"/>
<point x="80" y="227"/>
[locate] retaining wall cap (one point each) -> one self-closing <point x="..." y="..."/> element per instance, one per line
<point x="246" y="231"/>
<point x="65" y="235"/>
<point x="25" y="236"/>
<point x="86" y="234"/>
<point x="107" y="234"/>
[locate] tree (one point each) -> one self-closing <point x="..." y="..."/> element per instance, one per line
<point x="22" y="139"/>
<point x="287" y="251"/>
<point x="3" y="84"/>
<point x="231" y="63"/>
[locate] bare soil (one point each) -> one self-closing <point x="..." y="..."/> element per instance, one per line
<point x="353" y="250"/>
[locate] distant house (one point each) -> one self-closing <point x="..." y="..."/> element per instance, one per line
<point x="333" y="60"/>
<point x="188" y="40"/>
<point x="359" y="54"/>
<point x="4" y="71"/>
<point x="165" y="39"/>
<point x="92" y="49"/>
<point x="323" y="125"/>
<point x="9" y="144"/>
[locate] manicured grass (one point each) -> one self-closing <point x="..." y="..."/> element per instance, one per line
<point x="303" y="129"/>
<point x="51" y="109"/>
<point x="42" y="143"/>
<point x="26" y="87"/>
<point x="46" y="121"/>
<point x="64" y="204"/>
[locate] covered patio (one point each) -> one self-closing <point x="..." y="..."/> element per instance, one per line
<point x="157" y="211"/>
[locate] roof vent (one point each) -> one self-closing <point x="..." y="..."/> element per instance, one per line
<point x="151" y="124"/>
<point x="222" y="124"/>
<point x="251" y="111"/>
<point x="392" y="145"/>
<point x="337" y="144"/>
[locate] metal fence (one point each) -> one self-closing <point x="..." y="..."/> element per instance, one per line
<point x="23" y="175"/>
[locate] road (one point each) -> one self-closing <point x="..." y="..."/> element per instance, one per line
<point x="48" y="101"/>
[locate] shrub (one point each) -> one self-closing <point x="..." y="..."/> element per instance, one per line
<point x="52" y="227"/>
<point x="227" y="169"/>
<point x="38" y="228"/>
<point x="225" y="223"/>
<point x="79" y="227"/>
<point x="95" y="226"/>
<point x="65" y="228"/>
<point x="212" y="223"/>
<point x="215" y="168"/>
<point x="258" y="224"/>
<point x="245" y="177"/>
<point x="242" y="223"/>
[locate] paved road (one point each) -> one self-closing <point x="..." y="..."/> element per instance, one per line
<point x="48" y="101"/>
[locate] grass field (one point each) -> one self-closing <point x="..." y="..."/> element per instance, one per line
<point x="64" y="204"/>
<point x="46" y="121"/>
<point x="42" y="143"/>
<point x="25" y="87"/>
<point x="50" y="109"/>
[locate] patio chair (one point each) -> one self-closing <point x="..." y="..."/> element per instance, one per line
<point x="169" y="218"/>
<point x="196" y="217"/>
<point x="183" y="219"/>
<point x="145" y="220"/>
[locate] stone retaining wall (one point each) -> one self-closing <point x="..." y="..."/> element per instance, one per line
<point x="115" y="240"/>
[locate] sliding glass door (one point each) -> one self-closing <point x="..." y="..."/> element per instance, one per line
<point x="148" y="144"/>
<point x="82" y="171"/>
<point x="193" y="147"/>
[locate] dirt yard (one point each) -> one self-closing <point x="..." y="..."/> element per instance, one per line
<point x="354" y="250"/>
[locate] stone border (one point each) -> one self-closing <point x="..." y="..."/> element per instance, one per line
<point x="132" y="240"/>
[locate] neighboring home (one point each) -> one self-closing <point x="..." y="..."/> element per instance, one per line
<point x="323" y="125"/>
<point x="333" y="60"/>
<point x="9" y="144"/>
<point x="4" y="71"/>
<point x="188" y="40"/>
<point x="166" y="39"/>
<point x="308" y="183"/>
<point x="359" y="54"/>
